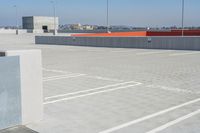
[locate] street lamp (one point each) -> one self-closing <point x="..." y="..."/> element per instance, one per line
<point x="16" y="13"/>
<point x="183" y="12"/>
<point x="108" y="31"/>
<point x="54" y="11"/>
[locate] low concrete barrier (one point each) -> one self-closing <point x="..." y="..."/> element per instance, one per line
<point x="176" y="43"/>
<point x="7" y="31"/>
<point x="12" y="31"/>
<point x="21" y="94"/>
<point x="36" y="31"/>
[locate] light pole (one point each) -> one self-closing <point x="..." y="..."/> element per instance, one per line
<point x="108" y="31"/>
<point x="183" y="13"/>
<point x="16" y="13"/>
<point x="54" y="12"/>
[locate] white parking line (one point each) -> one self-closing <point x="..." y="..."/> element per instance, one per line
<point x="86" y="75"/>
<point x="104" y="78"/>
<point x="63" y="77"/>
<point x="149" y="116"/>
<point x="163" y="127"/>
<point x="171" y="89"/>
<point x="181" y="54"/>
<point x="58" y="76"/>
<point x="124" y="51"/>
<point x="99" y="88"/>
<point x="93" y="51"/>
<point x="89" y="94"/>
<point x="57" y="71"/>
<point x="149" y="53"/>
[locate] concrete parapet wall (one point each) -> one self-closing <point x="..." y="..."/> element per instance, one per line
<point x="176" y="43"/>
<point x="22" y="31"/>
<point x="12" y="31"/>
<point x="23" y="87"/>
<point x="35" y="31"/>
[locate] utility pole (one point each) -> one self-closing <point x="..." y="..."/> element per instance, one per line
<point x="16" y="13"/>
<point x="108" y="30"/>
<point x="183" y="13"/>
<point x="54" y="12"/>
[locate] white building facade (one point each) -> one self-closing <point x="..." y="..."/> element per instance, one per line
<point x="40" y="23"/>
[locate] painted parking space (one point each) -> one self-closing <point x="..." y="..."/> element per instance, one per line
<point x="131" y="104"/>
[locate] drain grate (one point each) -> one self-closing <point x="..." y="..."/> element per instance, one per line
<point x="18" y="129"/>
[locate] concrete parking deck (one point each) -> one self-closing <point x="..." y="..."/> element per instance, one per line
<point x="18" y="129"/>
<point x="115" y="90"/>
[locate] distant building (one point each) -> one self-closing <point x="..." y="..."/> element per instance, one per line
<point x="40" y="23"/>
<point x="76" y="27"/>
<point x="88" y="27"/>
<point x="81" y="27"/>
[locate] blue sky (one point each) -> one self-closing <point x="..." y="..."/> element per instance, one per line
<point x="122" y="12"/>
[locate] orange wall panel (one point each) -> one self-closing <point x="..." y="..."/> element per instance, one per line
<point x="142" y="33"/>
<point x="114" y="34"/>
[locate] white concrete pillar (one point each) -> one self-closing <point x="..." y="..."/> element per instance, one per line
<point x="31" y="84"/>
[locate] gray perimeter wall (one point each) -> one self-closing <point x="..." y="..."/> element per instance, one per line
<point x="10" y="99"/>
<point x="176" y="43"/>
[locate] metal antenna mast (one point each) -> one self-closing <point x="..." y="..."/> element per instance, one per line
<point x="54" y="12"/>
<point x="183" y="13"/>
<point x="108" y="17"/>
<point x="16" y="13"/>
